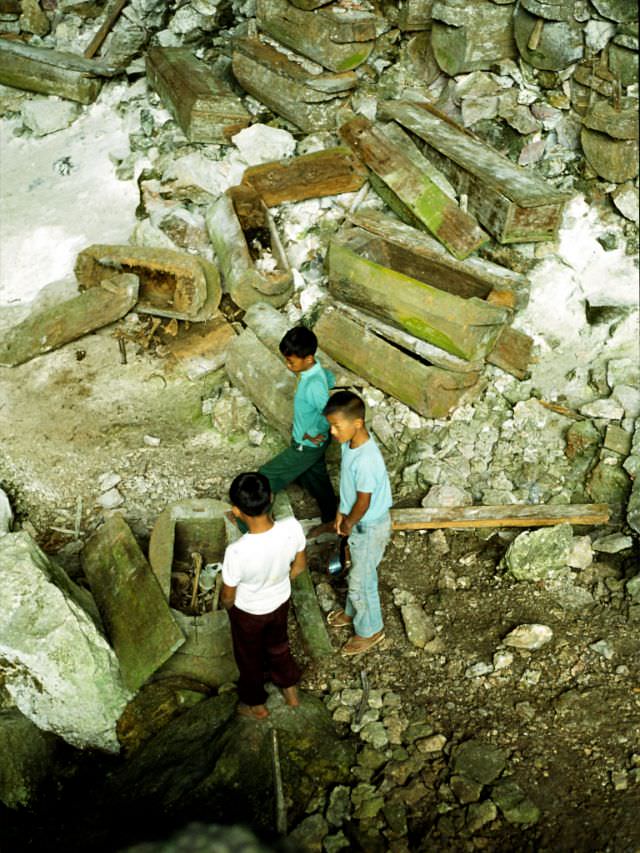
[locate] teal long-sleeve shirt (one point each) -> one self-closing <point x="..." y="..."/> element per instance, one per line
<point x="312" y="393"/>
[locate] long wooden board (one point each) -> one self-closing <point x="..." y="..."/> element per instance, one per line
<point x="465" y="327"/>
<point x="199" y="99"/>
<point x="321" y="173"/>
<point x="511" y="202"/>
<point x="512" y="352"/>
<point x="52" y="72"/>
<point x="410" y="177"/>
<point x="337" y="40"/>
<point x="430" y="391"/>
<point x="414" y="253"/>
<point x="512" y="515"/>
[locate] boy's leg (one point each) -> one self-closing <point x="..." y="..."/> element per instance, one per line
<point x="285" y="672"/>
<point x="248" y="648"/>
<point x="308" y="468"/>
<point x="363" y="602"/>
<point x="315" y="479"/>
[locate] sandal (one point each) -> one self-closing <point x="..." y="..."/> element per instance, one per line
<point x="339" y="619"/>
<point x="358" y="645"/>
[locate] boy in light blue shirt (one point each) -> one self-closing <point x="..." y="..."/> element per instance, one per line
<point x="303" y="461"/>
<point x="363" y="516"/>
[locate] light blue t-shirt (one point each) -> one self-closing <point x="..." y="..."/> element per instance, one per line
<point x="311" y="397"/>
<point x="363" y="470"/>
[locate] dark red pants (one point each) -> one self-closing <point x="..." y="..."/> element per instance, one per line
<point x="261" y="649"/>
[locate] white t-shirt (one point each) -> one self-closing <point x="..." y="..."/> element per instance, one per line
<point x="258" y="565"/>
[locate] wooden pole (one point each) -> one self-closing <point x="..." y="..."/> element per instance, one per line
<point x="104" y="30"/>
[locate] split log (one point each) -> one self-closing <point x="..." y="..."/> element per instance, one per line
<point x="511" y="202"/>
<point x="614" y="160"/>
<point x="617" y="10"/>
<point x="198" y="97"/>
<point x="620" y="122"/>
<point x="512" y="352"/>
<point x="557" y="43"/>
<point x="50" y="328"/>
<point x="240" y="228"/>
<point x="172" y="284"/>
<point x="310" y="4"/>
<point x="416" y="254"/>
<point x="135" y="612"/>
<point x="308" y="99"/>
<point x="430" y="391"/>
<point x="262" y="377"/>
<point x="411" y="185"/>
<point x="623" y="60"/>
<point x="468" y="35"/>
<point x="339" y="40"/>
<point x="103" y="32"/>
<point x="512" y="515"/>
<point x="415" y="15"/>
<point x="322" y="173"/>
<point x="465" y="327"/>
<point x="52" y="72"/>
<point x="550" y="10"/>
<point x="201" y="348"/>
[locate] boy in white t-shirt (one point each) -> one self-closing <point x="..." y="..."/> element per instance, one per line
<point x="256" y="574"/>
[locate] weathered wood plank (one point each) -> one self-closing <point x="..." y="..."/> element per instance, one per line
<point x="310" y="4"/>
<point x="172" y="284"/>
<point x="416" y="254"/>
<point x="551" y="45"/>
<point x="430" y="391"/>
<point x="199" y="99"/>
<point x="135" y="612"/>
<point x="465" y="327"/>
<point x="512" y="515"/>
<point x="337" y="41"/>
<point x="50" y="328"/>
<point x="262" y="377"/>
<point x="512" y="203"/>
<point x="52" y="72"/>
<point x="322" y="173"/>
<point x="411" y="178"/>
<point x="202" y="347"/>
<point x="309" y="101"/>
<point x="512" y="352"/>
<point x="468" y="35"/>
<point x="619" y="121"/>
<point x="615" y="160"/>
<point x="236" y="222"/>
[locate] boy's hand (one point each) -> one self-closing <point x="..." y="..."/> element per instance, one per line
<point x="315" y="439"/>
<point x="345" y="526"/>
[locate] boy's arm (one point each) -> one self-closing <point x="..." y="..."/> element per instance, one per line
<point x="299" y="564"/>
<point x="345" y="523"/>
<point x="228" y="596"/>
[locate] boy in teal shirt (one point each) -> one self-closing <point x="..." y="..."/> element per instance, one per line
<point x="363" y="516"/>
<point x="303" y="461"/>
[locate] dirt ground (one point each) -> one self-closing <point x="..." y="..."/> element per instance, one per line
<point x="568" y="717"/>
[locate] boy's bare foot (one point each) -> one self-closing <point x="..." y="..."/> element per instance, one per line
<point x="339" y="619"/>
<point x="253" y="712"/>
<point x="319" y="529"/>
<point x="358" y="645"/>
<point x="291" y="696"/>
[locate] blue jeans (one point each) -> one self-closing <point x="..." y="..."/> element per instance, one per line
<point x="366" y="543"/>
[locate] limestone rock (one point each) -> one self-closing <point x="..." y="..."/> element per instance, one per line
<point x="615" y="160"/>
<point x="530" y="637"/>
<point x="629" y="398"/>
<point x="46" y="115"/>
<point x="6" y="514"/>
<point x="418" y="625"/>
<point x="59" y="669"/>
<point x="26" y="754"/>
<point x="262" y="144"/>
<point x="625" y="199"/>
<point x="534" y="555"/>
<point x="480" y="814"/>
<point x="308" y="836"/>
<point x="608" y="408"/>
<point x="612" y="543"/>
<point x="33" y="19"/>
<point x="513" y="803"/>
<point x="481" y="762"/>
<point x="447" y="496"/>
<point x="581" y="554"/>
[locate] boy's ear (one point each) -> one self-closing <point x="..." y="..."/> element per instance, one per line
<point x="237" y="512"/>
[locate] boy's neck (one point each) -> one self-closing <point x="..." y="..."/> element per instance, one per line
<point x="258" y="523"/>
<point x="313" y="364"/>
<point x="360" y="437"/>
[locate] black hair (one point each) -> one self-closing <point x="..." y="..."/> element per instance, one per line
<point x="251" y="493"/>
<point x="299" y="341"/>
<point x="346" y="403"/>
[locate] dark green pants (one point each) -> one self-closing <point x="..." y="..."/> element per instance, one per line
<point x="307" y="468"/>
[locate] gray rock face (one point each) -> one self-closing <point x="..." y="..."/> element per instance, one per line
<point x="25" y="757"/>
<point x="57" y="667"/>
<point x="536" y="554"/>
<point x="478" y="761"/>
<point x="46" y="115"/>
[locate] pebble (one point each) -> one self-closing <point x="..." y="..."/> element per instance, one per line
<point x="532" y="637"/>
<point x="151" y="440"/>
<point x="418" y="625"/>
<point x="531" y="677"/>
<point x="480" y="814"/>
<point x="342" y="714"/>
<point x="339" y="808"/>
<point x="110" y="499"/>
<point x="607" y="408"/>
<point x="351" y="696"/>
<point x="502" y="660"/>
<point x="478" y="669"/>
<point x="602" y="648"/>
<point x="108" y="481"/>
<point x="581" y="554"/>
<point x="612" y="543"/>
<point x="431" y="745"/>
<point x="375" y="734"/>
<point x="438" y="542"/>
<point x="619" y="780"/>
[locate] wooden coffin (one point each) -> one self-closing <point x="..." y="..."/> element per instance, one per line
<point x="550" y="45"/>
<point x="322" y="173"/>
<point x="468" y="35"/>
<point x="615" y="160"/>
<point x="201" y="348"/>
<point x="252" y="260"/>
<point x="511" y="202"/>
<point x="52" y="72"/>
<point x="49" y="328"/>
<point x="411" y="186"/>
<point x="465" y="327"/>
<point x="428" y="390"/>
<point x="338" y="39"/>
<point x="415" y="15"/>
<point x="308" y="99"/>
<point x="197" y="96"/>
<point x="512" y="515"/>
<point x="416" y="254"/>
<point x="172" y="284"/>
